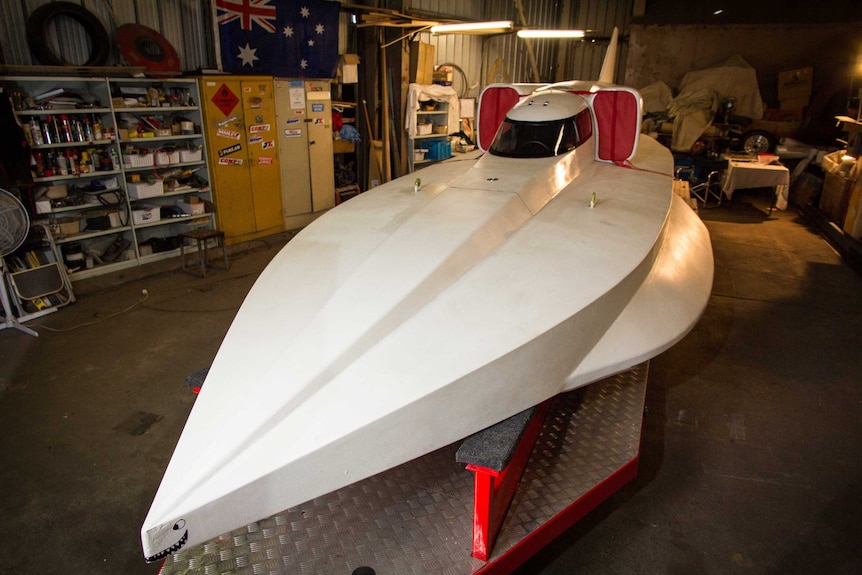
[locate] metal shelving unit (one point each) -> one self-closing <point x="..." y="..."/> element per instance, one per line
<point x="83" y="132"/>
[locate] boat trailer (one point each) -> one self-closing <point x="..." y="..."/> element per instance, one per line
<point x="527" y="480"/>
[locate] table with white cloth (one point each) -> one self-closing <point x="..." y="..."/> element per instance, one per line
<point x="746" y="174"/>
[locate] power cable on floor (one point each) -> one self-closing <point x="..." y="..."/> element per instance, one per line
<point x="144" y="295"/>
<point x="205" y="287"/>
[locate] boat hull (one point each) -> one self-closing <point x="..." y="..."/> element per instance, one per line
<point x="403" y="321"/>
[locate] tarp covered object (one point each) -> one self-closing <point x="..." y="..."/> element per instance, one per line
<point x="656" y="97"/>
<point x="701" y="92"/>
<point x="734" y="78"/>
<point x="692" y="113"/>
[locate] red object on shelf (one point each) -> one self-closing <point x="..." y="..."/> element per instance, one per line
<point x="494" y="490"/>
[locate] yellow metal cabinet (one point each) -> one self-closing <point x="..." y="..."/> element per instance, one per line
<point x="239" y="112"/>
<point x="304" y="115"/>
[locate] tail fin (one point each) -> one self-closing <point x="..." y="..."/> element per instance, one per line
<point x="609" y="66"/>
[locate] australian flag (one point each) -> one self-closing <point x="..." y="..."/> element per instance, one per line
<point x="284" y="38"/>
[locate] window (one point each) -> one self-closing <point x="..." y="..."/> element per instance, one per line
<point x="520" y="139"/>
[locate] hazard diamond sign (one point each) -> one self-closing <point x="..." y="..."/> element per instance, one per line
<point x="225" y="100"/>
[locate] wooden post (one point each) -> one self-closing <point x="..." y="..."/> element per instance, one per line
<point x="386" y="176"/>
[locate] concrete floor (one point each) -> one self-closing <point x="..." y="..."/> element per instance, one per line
<point x="751" y="458"/>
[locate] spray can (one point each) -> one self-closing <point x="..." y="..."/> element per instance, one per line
<point x="48" y="136"/>
<point x="39" y="164"/>
<point x="65" y="129"/>
<point x="36" y="132"/>
<point x="97" y="128"/>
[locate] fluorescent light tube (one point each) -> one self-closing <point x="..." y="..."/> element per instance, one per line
<point x="527" y="33"/>
<point x="474" y="28"/>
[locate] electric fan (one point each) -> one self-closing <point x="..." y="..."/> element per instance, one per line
<point x="14" y="227"/>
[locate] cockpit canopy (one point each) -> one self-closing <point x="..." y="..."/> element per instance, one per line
<point x="544" y="125"/>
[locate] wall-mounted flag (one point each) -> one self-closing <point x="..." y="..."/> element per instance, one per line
<point x="285" y="38"/>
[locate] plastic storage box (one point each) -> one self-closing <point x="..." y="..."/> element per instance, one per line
<point x="146" y="215"/>
<point x="138" y="160"/>
<point x="142" y="190"/>
<point x="190" y="155"/>
<point x="437" y="149"/>
<point x="167" y="158"/>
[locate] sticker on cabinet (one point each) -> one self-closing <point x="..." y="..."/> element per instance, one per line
<point x="225" y="100"/>
<point x="225" y="133"/>
<point x="229" y="150"/>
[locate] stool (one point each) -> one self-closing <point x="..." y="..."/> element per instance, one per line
<point x="201" y="237"/>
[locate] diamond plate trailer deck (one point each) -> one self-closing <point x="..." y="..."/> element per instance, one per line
<point x="417" y="517"/>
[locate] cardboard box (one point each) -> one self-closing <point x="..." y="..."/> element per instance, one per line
<point x="832" y="197"/>
<point x="67" y="226"/>
<point x="796" y="83"/>
<point x="56" y="191"/>
<point x="196" y="209"/>
<point x="443" y="76"/>
<point x="343" y="147"/>
<point x="421" y="63"/>
<point x="848" y="124"/>
<point x="348" y="68"/>
<point x="853" y="218"/>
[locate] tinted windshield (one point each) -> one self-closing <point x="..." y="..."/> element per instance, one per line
<point x="518" y="139"/>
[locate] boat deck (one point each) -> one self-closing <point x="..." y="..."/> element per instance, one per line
<point x="417" y="517"/>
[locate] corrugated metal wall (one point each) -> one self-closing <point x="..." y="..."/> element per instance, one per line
<point x="505" y="58"/>
<point x="185" y="24"/>
<point x="584" y="58"/>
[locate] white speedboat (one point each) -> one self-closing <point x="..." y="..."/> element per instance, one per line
<point x="413" y="316"/>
